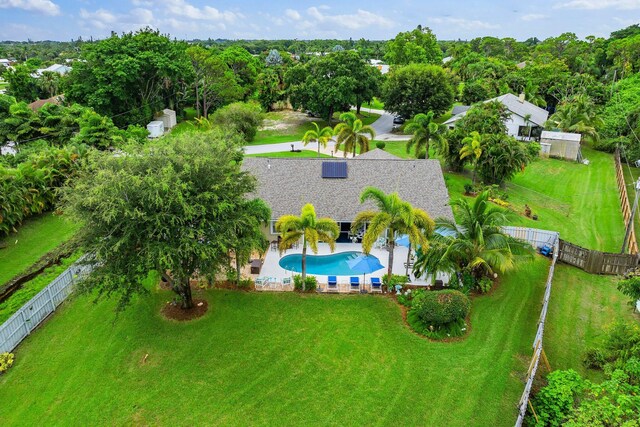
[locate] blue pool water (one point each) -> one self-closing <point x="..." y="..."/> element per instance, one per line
<point x="327" y="265"/>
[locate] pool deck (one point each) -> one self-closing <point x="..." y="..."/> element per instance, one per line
<point x="272" y="269"/>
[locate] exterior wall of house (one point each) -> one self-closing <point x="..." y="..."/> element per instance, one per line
<point x="563" y="149"/>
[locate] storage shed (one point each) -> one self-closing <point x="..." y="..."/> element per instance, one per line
<point x="563" y="145"/>
<point x="156" y="129"/>
<point x="168" y="118"/>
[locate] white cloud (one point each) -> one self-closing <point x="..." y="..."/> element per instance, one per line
<point x="360" y="19"/>
<point x="533" y="17"/>
<point x="101" y="18"/>
<point x="599" y="4"/>
<point x="465" y="24"/>
<point x="43" y="6"/>
<point x="292" y="14"/>
<point x="206" y="13"/>
<point x="145" y="3"/>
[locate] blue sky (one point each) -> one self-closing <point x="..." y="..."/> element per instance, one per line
<point x="371" y="19"/>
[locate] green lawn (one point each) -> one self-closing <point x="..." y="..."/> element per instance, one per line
<point x="36" y="237"/>
<point x="579" y="201"/>
<point x="581" y="307"/>
<point x="376" y="104"/>
<point x="297" y="131"/>
<point x="281" y="154"/>
<point x="274" y="358"/>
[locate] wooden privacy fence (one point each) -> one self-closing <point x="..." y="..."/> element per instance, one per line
<point x="596" y="262"/>
<point x="632" y="245"/>
<point x="30" y="315"/>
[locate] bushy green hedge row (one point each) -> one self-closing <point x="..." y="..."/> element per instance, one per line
<point x="31" y="187"/>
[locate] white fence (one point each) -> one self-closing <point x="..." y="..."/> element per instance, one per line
<point x="30" y="315"/>
<point x="537" y="238"/>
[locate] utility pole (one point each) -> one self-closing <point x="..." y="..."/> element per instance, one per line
<point x="631" y="218"/>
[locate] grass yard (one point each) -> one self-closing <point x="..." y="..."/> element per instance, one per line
<point x="581" y="307"/>
<point x="274" y="358"/>
<point x="375" y="104"/>
<point x="296" y="129"/>
<point x="579" y="201"/>
<point x="289" y="154"/>
<point x="36" y="237"/>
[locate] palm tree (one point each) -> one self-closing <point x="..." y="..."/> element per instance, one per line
<point x="394" y="217"/>
<point x="353" y="134"/>
<point x="472" y="148"/>
<point x="425" y="130"/>
<point x="476" y="244"/>
<point x="252" y="215"/>
<point x="577" y="114"/>
<point x="49" y="83"/>
<point x="322" y="137"/>
<point x="532" y="95"/>
<point x="311" y="229"/>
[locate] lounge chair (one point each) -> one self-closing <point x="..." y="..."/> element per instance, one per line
<point x="332" y="283"/>
<point x="355" y="284"/>
<point x="263" y="282"/>
<point x="286" y="281"/>
<point x="376" y="285"/>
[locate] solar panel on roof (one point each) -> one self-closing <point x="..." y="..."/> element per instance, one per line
<point x="334" y="169"/>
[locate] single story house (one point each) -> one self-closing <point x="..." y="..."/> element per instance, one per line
<point x="55" y="68"/>
<point x="38" y="104"/>
<point x="563" y="145"/>
<point x="525" y="122"/>
<point x="334" y="186"/>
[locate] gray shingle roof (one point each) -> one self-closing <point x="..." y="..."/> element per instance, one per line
<point x="286" y="184"/>
<point x="513" y="104"/>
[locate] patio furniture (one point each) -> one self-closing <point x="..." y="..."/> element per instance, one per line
<point x="256" y="265"/>
<point x="546" y="250"/>
<point x="274" y="245"/>
<point x="263" y="282"/>
<point x="332" y="283"/>
<point x="355" y="284"/>
<point x="376" y="285"/>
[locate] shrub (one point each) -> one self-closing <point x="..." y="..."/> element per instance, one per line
<point x="381" y="145"/>
<point x="533" y="150"/>
<point x="554" y="402"/>
<point x="243" y="117"/>
<point x="630" y="287"/>
<point x="6" y="361"/>
<point x="245" y="283"/>
<point x="440" y="313"/>
<point x="311" y="283"/>
<point x="594" y="358"/>
<point x="422" y="154"/>
<point x="468" y="188"/>
<point x="396" y="279"/>
<point x="484" y="285"/>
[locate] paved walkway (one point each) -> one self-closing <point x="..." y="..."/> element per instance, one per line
<point x="383" y="127"/>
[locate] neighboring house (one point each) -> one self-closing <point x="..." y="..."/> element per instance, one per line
<point x="38" y="104"/>
<point x="55" y="68"/>
<point x="5" y="62"/>
<point x="521" y="65"/>
<point x="384" y="68"/>
<point x="447" y="59"/>
<point x="287" y="184"/>
<point x="563" y="145"/>
<point x="525" y="122"/>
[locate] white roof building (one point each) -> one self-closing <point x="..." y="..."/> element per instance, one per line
<point x="523" y="115"/>
<point x="55" y="68"/>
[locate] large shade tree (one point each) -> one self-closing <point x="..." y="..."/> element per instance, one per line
<point x="353" y="134"/>
<point x="129" y="77"/>
<point x="393" y="218"/>
<point x="417" y="88"/>
<point x="416" y="46"/>
<point x="474" y="243"/>
<point x="172" y="207"/>
<point x="311" y="229"/>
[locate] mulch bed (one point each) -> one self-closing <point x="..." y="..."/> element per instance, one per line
<point x="174" y="312"/>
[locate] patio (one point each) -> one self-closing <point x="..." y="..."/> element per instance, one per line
<point x="279" y="279"/>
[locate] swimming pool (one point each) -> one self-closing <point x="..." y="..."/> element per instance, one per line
<point x="327" y="265"/>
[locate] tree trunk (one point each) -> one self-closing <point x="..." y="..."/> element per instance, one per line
<point x="197" y="100"/>
<point x="358" y="106"/>
<point x="184" y="291"/>
<point x="426" y="156"/>
<point x="304" y="263"/>
<point x="330" y="114"/>
<point x="237" y="269"/>
<point x="408" y="259"/>
<point x="390" y="248"/>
